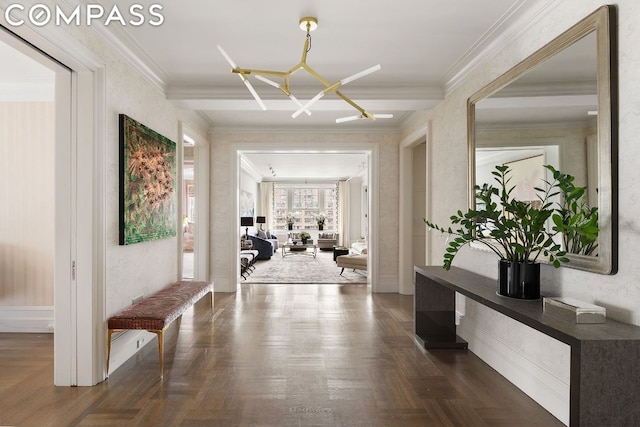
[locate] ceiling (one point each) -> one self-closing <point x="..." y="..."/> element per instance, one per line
<point x="421" y="46"/>
<point x="306" y="166"/>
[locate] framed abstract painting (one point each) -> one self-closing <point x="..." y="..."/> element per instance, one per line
<point x="148" y="201"/>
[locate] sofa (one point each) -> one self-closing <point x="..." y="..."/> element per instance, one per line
<point x="266" y="246"/>
<point x="326" y="241"/>
<point x="359" y="247"/>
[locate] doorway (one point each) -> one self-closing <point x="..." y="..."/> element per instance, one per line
<point x="36" y="250"/>
<point x="27" y="229"/>
<point x="307" y="171"/>
<point x="78" y="248"/>
<point x="189" y="213"/>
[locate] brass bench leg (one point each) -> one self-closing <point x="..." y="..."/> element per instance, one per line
<point x="160" y="334"/>
<point x="111" y="332"/>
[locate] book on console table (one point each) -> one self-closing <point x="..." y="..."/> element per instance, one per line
<point x="574" y="310"/>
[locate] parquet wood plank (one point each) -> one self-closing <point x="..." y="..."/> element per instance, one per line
<point x="274" y="355"/>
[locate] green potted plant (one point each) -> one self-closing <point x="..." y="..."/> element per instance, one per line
<point x="577" y="221"/>
<point x="517" y="231"/>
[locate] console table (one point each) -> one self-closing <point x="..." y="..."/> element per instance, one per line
<point x="605" y="358"/>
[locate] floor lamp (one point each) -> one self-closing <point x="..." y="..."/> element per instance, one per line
<point x="246" y="221"/>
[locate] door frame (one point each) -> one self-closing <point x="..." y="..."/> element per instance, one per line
<point x="79" y="339"/>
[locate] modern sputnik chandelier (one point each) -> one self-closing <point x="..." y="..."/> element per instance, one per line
<point x="307" y="24"/>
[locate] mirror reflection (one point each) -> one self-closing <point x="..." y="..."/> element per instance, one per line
<point x="554" y="109"/>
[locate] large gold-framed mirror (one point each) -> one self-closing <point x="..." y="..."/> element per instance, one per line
<point x="557" y="107"/>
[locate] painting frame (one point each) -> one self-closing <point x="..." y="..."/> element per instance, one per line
<point x="148" y="176"/>
<point x="247" y="203"/>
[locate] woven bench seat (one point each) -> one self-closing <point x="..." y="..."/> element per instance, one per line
<point x="156" y="312"/>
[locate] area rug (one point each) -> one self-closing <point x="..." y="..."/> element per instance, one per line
<point x="303" y="269"/>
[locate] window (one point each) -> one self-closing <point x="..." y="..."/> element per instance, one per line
<point x="306" y="202"/>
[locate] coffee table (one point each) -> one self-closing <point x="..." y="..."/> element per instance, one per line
<point x="299" y="249"/>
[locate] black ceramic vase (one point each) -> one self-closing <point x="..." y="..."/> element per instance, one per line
<point x="320" y="227"/>
<point x="519" y="279"/>
<point x="290" y="226"/>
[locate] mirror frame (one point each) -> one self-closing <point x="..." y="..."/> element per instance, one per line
<point x="603" y="22"/>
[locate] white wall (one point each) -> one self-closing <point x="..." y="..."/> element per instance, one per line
<point x="143" y="268"/>
<point x="355" y="212"/>
<point x="249" y="184"/>
<point x="27" y="131"/>
<point x="419" y="205"/>
<point x="619" y="293"/>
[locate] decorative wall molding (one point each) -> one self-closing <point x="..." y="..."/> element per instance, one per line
<point x="27" y="319"/>
<point x="520" y="18"/>
<point x="125" y="344"/>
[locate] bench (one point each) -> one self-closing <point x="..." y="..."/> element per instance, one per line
<point x="156" y="312"/>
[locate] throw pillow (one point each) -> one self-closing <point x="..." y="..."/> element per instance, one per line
<point x="262" y="234"/>
<point x="268" y="233"/>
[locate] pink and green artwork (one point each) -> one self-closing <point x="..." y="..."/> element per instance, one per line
<point x="148" y="199"/>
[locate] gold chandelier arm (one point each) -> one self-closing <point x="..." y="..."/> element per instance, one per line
<point x="261" y="72"/>
<point x="307" y="24"/>
<point x="354" y="105"/>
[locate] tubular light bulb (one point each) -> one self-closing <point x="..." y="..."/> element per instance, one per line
<point x="267" y="81"/>
<point x="253" y="92"/>
<point x="360" y="74"/>
<point x="383" y="116"/>
<point x="294" y="99"/>
<point x="348" y="119"/>
<point x="308" y="104"/>
<point x="227" y="57"/>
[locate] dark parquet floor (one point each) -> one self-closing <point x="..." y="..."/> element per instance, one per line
<point x="274" y="355"/>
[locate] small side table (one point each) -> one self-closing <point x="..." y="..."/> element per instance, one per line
<point x="339" y="250"/>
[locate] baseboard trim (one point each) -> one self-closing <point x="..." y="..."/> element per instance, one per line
<point x="387" y="284"/>
<point x="37" y="319"/>
<point x="125" y="344"/>
<point x="542" y="385"/>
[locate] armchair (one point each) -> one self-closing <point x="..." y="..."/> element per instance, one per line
<point x="265" y="247"/>
<point x="326" y="241"/>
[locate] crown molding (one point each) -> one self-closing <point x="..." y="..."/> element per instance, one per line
<point x="119" y="40"/>
<point x="522" y="16"/>
<point x="555" y="88"/>
<point x="327" y="129"/>
<point x="249" y="168"/>
<point x="56" y="43"/>
<point x="27" y="91"/>
<point x="363" y="92"/>
<point x="561" y="124"/>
